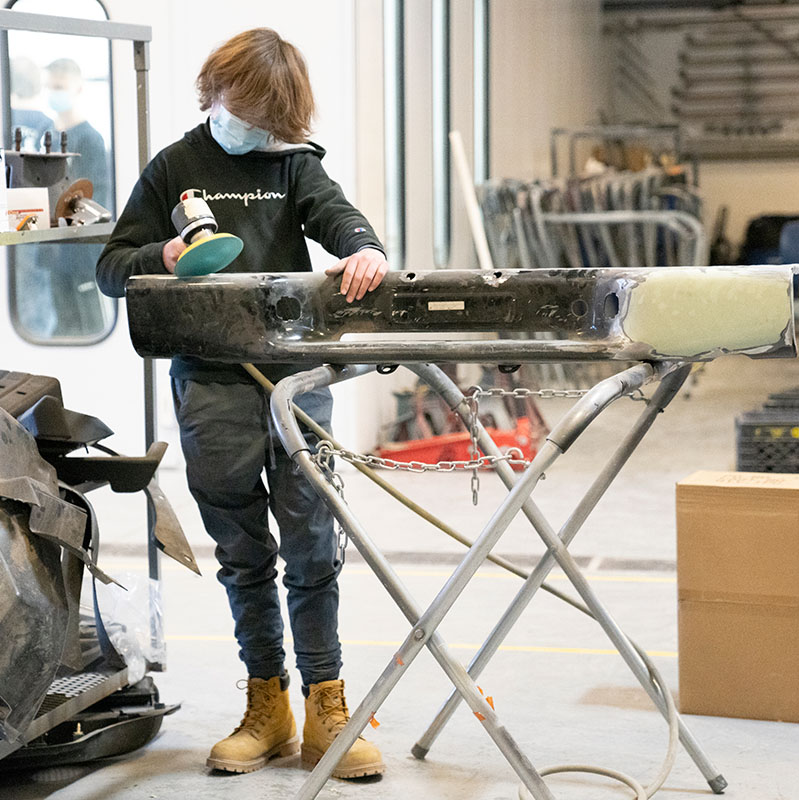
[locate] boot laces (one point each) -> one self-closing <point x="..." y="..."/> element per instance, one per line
<point x="333" y="707"/>
<point x="260" y="707"/>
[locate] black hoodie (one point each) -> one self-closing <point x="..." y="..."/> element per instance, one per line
<point x="271" y="200"/>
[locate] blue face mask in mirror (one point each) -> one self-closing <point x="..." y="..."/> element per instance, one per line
<point x="61" y="100"/>
<point x="234" y="135"/>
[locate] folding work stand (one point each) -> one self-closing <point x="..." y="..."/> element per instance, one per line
<point x="270" y="317"/>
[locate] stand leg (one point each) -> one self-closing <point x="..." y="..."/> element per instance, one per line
<point x="423" y="633"/>
<point x="439" y="381"/>
<point x="425" y="624"/>
<point x="665" y="392"/>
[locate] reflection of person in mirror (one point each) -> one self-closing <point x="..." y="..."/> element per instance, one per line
<point x="26" y="88"/>
<point x="79" y="309"/>
<point x="65" y="97"/>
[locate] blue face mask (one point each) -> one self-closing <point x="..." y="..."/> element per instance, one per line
<point x="60" y="100"/>
<point x="234" y="135"/>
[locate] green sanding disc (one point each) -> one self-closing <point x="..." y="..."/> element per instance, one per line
<point x="208" y="255"/>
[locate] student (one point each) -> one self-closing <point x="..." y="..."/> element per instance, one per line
<point x="264" y="182"/>
<point x="65" y="97"/>
<point x="26" y="89"/>
<point x="33" y="284"/>
<point x="79" y="308"/>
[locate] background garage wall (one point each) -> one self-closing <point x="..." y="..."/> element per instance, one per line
<point x="749" y="188"/>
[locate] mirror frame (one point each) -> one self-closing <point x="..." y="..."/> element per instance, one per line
<point x="5" y="86"/>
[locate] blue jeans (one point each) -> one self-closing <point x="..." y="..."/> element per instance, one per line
<point x="227" y="439"/>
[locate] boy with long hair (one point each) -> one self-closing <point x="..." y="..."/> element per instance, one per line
<point x="264" y="181"/>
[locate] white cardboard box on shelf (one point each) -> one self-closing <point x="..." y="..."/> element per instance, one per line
<point x="28" y="203"/>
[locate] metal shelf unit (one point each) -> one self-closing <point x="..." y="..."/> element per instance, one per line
<point x="85" y="234"/>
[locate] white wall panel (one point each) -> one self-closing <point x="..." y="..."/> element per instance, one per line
<point x="549" y="69"/>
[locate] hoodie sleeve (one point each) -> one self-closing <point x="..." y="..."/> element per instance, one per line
<point x="326" y="214"/>
<point x="139" y="236"/>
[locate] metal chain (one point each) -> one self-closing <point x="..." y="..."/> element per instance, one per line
<point x="474" y="451"/>
<point x="326" y="451"/>
<point x="544" y="394"/>
<point x="323" y="458"/>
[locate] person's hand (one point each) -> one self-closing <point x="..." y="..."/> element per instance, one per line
<point x="172" y="249"/>
<point x="363" y="272"/>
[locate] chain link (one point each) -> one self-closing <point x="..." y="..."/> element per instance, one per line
<point x="326" y="451"/>
<point x="323" y="458"/>
<point x="474" y="451"/>
<point x="544" y="394"/>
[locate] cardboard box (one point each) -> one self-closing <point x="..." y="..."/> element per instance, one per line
<point x="738" y="594"/>
<point x="28" y="203"/>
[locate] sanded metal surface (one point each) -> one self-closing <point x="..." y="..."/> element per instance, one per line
<point x="302" y="317"/>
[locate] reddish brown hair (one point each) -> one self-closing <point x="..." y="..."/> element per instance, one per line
<point x="262" y="79"/>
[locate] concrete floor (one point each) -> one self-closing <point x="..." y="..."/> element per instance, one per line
<point x="557" y="685"/>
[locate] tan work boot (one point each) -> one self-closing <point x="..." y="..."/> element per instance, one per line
<point x="267" y="730"/>
<point x="325" y="715"/>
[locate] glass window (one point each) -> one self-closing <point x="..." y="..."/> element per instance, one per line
<point x="62" y="85"/>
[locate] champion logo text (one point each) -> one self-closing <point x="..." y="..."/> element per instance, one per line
<point x="245" y="197"/>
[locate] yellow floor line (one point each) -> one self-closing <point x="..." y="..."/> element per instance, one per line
<point x="556" y="576"/>
<point x="511" y="648"/>
<point x="209" y="566"/>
